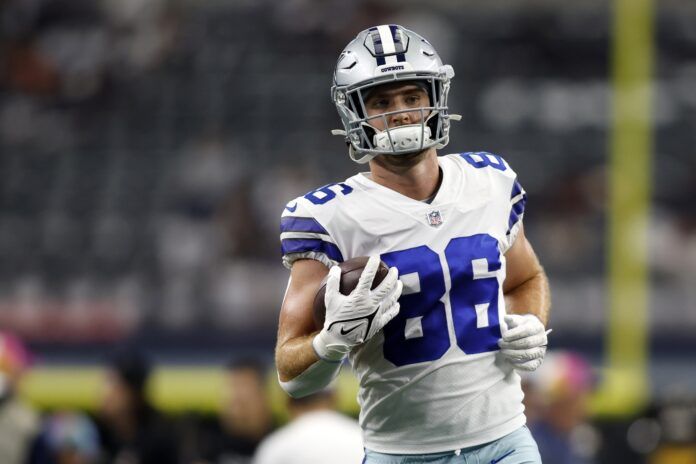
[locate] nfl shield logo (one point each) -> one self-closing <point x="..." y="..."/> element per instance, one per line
<point x="434" y="218"/>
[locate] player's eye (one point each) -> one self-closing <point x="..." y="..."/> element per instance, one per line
<point x="380" y="103"/>
<point x="413" y="99"/>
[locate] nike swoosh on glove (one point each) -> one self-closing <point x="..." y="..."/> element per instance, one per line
<point x="355" y="318"/>
<point x="524" y="342"/>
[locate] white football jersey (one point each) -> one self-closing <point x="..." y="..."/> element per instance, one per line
<point x="433" y="379"/>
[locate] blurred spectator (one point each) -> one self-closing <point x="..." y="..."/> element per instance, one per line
<point x="142" y="33"/>
<point x="556" y="397"/>
<point x="207" y="169"/>
<point x="56" y="47"/>
<point x="19" y="424"/>
<point x="133" y="431"/>
<point x="245" y="418"/>
<point x="67" y="438"/>
<point x="317" y="435"/>
<point x="669" y="437"/>
<point x="203" y="177"/>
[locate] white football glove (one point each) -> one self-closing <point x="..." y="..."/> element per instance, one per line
<point x="354" y="319"/>
<point x="524" y="342"/>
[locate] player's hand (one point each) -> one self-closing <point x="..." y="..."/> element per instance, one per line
<point x="354" y="319"/>
<point x="524" y="342"/>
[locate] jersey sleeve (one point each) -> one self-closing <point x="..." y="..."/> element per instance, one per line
<point x="302" y="236"/>
<point x="518" y="200"/>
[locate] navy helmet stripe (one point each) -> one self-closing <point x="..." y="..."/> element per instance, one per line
<point x="398" y="43"/>
<point x="301" y="224"/>
<point x="377" y="41"/>
<point x="301" y="245"/>
<point x="379" y="49"/>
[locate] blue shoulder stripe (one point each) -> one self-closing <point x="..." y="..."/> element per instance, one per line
<point x="301" y="245"/>
<point x="516" y="212"/>
<point x="516" y="189"/>
<point x="301" y="224"/>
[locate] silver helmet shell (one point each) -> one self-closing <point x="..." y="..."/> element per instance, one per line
<point x="381" y="55"/>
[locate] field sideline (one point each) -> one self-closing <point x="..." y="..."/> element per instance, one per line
<point x="173" y="389"/>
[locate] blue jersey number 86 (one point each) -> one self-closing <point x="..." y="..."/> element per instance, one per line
<point x="419" y="332"/>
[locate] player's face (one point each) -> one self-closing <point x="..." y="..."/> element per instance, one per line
<point x="396" y="97"/>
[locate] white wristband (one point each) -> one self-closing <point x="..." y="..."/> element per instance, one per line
<point x="328" y="348"/>
<point x="313" y="379"/>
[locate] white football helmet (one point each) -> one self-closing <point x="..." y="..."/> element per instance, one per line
<point x="386" y="54"/>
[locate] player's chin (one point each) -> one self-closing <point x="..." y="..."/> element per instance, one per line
<point x="405" y="159"/>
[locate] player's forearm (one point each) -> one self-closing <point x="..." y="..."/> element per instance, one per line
<point x="300" y="371"/>
<point x="294" y="357"/>
<point x="532" y="296"/>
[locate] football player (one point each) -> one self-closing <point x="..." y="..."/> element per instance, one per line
<point x="465" y="303"/>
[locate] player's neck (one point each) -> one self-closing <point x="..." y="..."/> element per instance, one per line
<point x="416" y="177"/>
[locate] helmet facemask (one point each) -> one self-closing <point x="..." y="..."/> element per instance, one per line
<point x="366" y="141"/>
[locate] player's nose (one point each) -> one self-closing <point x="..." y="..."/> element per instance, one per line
<point x="401" y="118"/>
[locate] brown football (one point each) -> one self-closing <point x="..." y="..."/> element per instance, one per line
<point x="351" y="270"/>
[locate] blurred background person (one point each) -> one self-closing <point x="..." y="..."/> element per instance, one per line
<point x="316" y="434"/>
<point x="133" y="432"/>
<point x="556" y="403"/>
<point x="245" y="416"/>
<point x="19" y="423"/>
<point x="668" y="434"/>
<point x="67" y="438"/>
